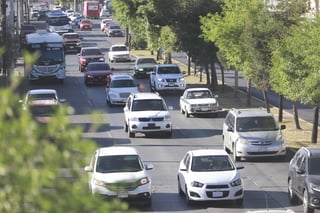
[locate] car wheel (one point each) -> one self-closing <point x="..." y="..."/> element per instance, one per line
<point x="148" y="202"/>
<point x="169" y="134"/>
<point x="181" y="110"/>
<point x="188" y="200"/>
<point x="239" y="202"/>
<point x="186" y="113"/>
<point x="126" y="127"/>
<point x="180" y="192"/>
<point x="306" y="208"/>
<point x="224" y="146"/>
<point x="234" y="154"/>
<point x="293" y="198"/>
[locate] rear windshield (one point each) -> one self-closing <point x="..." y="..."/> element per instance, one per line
<point x="91" y="52"/>
<point x="99" y="67"/>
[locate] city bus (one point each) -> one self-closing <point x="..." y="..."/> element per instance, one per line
<point x="49" y="63"/>
<point x="58" y="22"/>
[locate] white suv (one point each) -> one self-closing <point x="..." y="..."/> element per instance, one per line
<point x="147" y="113"/>
<point x="120" y="172"/>
<point x="252" y="133"/>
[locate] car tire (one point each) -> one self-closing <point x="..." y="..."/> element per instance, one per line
<point x="234" y="154"/>
<point x="293" y="198"/>
<point x="239" y="202"/>
<point x="180" y="192"/>
<point x="148" y="202"/>
<point x="306" y="208"/>
<point x="126" y="127"/>
<point x="224" y="146"/>
<point x="169" y="134"/>
<point x="188" y="200"/>
<point x="186" y="113"/>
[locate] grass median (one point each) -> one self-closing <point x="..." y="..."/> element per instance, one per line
<point x="295" y="138"/>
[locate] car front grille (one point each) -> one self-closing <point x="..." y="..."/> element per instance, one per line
<point x="151" y="119"/>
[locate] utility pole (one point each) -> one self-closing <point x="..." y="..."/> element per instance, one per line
<point x="4" y="36"/>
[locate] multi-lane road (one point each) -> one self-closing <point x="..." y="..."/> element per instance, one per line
<point x="265" y="180"/>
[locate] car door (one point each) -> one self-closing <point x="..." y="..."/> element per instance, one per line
<point x="183" y="171"/>
<point x="228" y="130"/>
<point x="301" y="174"/>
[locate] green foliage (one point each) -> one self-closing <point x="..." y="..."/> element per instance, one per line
<point x="41" y="166"/>
<point x="296" y="63"/>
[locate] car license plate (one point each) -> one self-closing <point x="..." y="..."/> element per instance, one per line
<point x="71" y="47"/>
<point x="151" y="125"/>
<point x="262" y="149"/>
<point x="204" y="109"/>
<point x="217" y="194"/>
<point x="122" y="194"/>
<point x="171" y="84"/>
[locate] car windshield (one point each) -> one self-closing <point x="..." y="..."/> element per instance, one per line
<point x="146" y="61"/>
<point x="148" y="105"/>
<point x="119" y="163"/>
<point x="199" y="94"/>
<point x="113" y="27"/>
<point x="169" y="70"/>
<point x="91" y="52"/>
<point x="122" y="83"/>
<point x="314" y="168"/>
<point x="211" y="163"/>
<point x="119" y="48"/>
<point x="263" y="123"/>
<point x="73" y="36"/>
<point x="98" y="67"/>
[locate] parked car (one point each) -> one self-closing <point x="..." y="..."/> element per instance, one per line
<point x="89" y="54"/>
<point x="304" y="178"/>
<point x="42" y="103"/>
<point x="114" y="30"/>
<point x="196" y="101"/>
<point x="71" y="42"/>
<point x="97" y="73"/>
<point x="104" y="21"/>
<point x="119" y="88"/>
<point x="85" y="24"/>
<point x="147" y="113"/>
<point x="119" y="172"/>
<point x="209" y="175"/>
<point x="167" y="77"/>
<point x="143" y="66"/>
<point x="252" y="133"/>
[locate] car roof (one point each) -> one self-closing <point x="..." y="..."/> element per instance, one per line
<point x="251" y="112"/>
<point x="121" y="77"/>
<point x="313" y="152"/>
<point x="118" y="45"/>
<point x="197" y="89"/>
<point x="88" y="48"/>
<point x="146" y="95"/>
<point x="116" y="150"/>
<point x="41" y="91"/>
<point x="208" y="152"/>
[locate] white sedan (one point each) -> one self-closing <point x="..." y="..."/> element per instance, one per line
<point x="198" y="101"/>
<point x="209" y="175"/>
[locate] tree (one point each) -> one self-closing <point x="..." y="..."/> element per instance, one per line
<point x="243" y="32"/>
<point x="296" y="67"/>
<point x="40" y="165"/>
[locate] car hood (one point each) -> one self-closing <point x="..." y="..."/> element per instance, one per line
<point x="149" y="114"/>
<point x="145" y="65"/>
<point x="99" y="72"/>
<point x="202" y="101"/>
<point x="117" y="177"/>
<point x="216" y="177"/>
<point x="178" y="75"/>
<point x="124" y="90"/>
<point x="260" y="135"/>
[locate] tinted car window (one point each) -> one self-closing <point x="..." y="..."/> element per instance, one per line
<point x="119" y="163"/>
<point x="98" y="67"/>
<point x="266" y="123"/>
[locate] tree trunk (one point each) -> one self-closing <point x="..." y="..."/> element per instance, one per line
<point x="206" y="68"/>
<point x="295" y="115"/>
<point x="280" y="116"/>
<point x="222" y="76"/>
<point x="214" y="79"/>
<point x="266" y="100"/>
<point x="168" y="59"/>
<point x="249" y="93"/>
<point x="189" y="64"/>
<point x="314" y="137"/>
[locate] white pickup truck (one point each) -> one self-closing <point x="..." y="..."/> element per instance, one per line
<point x="167" y="77"/>
<point x="118" y="53"/>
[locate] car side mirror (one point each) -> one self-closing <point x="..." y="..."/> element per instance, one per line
<point x="170" y="107"/>
<point x="300" y="171"/>
<point x="239" y="166"/>
<point x="184" y="72"/>
<point x="282" y="126"/>
<point x="230" y="129"/>
<point x="88" y="169"/>
<point x="62" y="100"/>
<point x="183" y="168"/>
<point x="148" y="166"/>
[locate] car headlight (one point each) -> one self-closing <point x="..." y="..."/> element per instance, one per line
<point x="144" y="181"/>
<point x="89" y="76"/>
<point x="314" y="187"/>
<point x="196" y="184"/>
<point x="140" y="69"/>
<point x="237" y="182"/>
<point x="101" y="59"/>
<point x="167" y="117"/>
<point x="98" y="182"/>
<point x="181" y="80"/>
<point x="133" y="119"/>
<point x="160" y="80"/>
<point x="243" y="141"/>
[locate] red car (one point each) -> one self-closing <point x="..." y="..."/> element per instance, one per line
<point x="85" y="24"/>
<point x="97" y="73"/>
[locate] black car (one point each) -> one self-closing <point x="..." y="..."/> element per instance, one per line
<point x="144" y="66"/>
<point x="304" y="178"/>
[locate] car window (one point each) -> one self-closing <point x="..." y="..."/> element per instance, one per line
<point x="122" y="83"/>
<point x="230" y="120"/>
<point x="146" y="61"/>
<point x="263" y="123"/>
<point x="71" y="36"/>
<point x="148" y="105"/>
<point x="119" y="48"/>
<point x="169" y="70"/>
<point x="91" y="52"/>
<point x="114" y="27"/>
<point x="98" y="67"/>
<point x="46" y="96"/>
<point x="314" y="168"/>
<point x="211" y="163"/>
<point x="119" y="163"/>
